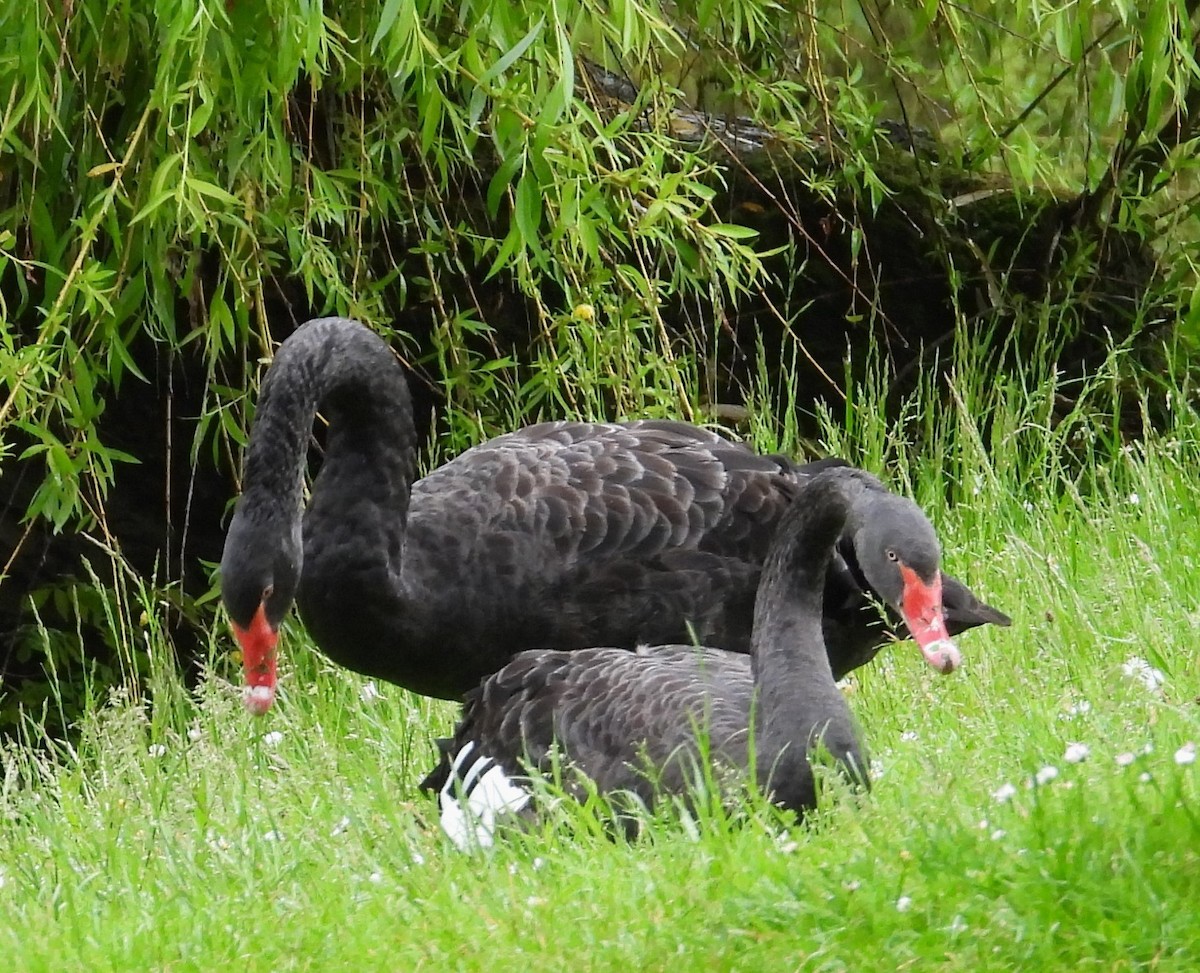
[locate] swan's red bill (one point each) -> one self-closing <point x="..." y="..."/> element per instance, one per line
<point x="258" y="641"/>
<point x="921" y="606"/>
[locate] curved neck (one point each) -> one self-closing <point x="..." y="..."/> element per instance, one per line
<point x="797" y="698"/>
<point x="350" y="374"/>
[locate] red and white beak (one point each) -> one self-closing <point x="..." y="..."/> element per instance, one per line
<point x="921" y="606"/>
<point x="258" y="642"/>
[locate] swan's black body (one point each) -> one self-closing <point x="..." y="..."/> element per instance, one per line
<point x="643" y="722"/>
<point x="561" y="535"/>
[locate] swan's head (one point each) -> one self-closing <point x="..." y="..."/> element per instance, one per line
<point x="259" y="572"/>
<point x="898" y="553"/>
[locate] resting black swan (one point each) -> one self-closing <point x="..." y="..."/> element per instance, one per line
<point x="561" y="535"/>
<point x="633" y="722"/>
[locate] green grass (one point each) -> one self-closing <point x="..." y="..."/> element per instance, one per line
<point x="193" y="836"/>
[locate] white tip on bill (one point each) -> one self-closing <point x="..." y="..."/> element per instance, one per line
<point x="258" y="699"/>
<point x="943" y="655"/>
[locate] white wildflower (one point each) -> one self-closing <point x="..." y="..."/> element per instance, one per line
<point x="215" y="841"/>
<point x="418" y="858"/>
<point x="1186" y="754"/>
<point x="909" y="736"/>
<point x="195" y="734"/>
<point x="538" y="864"/>
<point x="1134" y="499"/>
<point x="904" y="903"/>
<point x="998" y="834"/>
<point x="375" y="878"/>
<point x="1076" y="753"/>
<point x="272" y="836"/>
<point x="1046" y="774"/>
<point x="157" y="749"/>
<point x="1004" y="793"/>
<point x="1144" y="777"/>
<point x="1125" y="759"/>
<point x="1138" y="669"/>
<point x="273" y="739"/>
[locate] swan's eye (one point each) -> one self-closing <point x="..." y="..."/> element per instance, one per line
<point x="891" y="555"/>
<point x="269" y="590"/>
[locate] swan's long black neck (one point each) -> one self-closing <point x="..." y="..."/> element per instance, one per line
<point x="795" y="694"/>
<point x="356" y="517"/>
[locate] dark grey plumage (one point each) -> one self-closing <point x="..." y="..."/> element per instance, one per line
<point x="562" y="534"/>
<point x="635" y="722"/>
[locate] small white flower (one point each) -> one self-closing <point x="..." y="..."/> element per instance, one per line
<point x="1028" y="505"/>
<point x="1004" y="793"/>
<point x="369" y="692"/>
<point x="904" y="903"/>
<point x="1076" y="753"/>
<point x="998" y="834"/>
<point x="195" y="734"/>
<point x="273" y="739"/>
<point x="157" y="749"/>
<point x="534" y="901"/>
<point x="1144" y="777"/>
<point x="909" y="736"/>
<point x="1125" y="759"/>
<point x="418" y="858"/>
<point x="1186" y="754"/>
<point x="1134" y="499"/>
<point x="375" y="878"/>
<point x="340" y="827"/>
<point x="876" y="770"/>
<point x="853" y="885"/>
<point x="215" y="841"/>
<point x="538" y="864"/>
<point x="1148" y="749"/>
<point x="1138" y="669"/>
<point x="1046" y="774"/>
<point x="272" y="836"/>
<point x="983" y="824"/>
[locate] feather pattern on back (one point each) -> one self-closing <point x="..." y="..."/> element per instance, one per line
<point x="561" y="535"/>
<point x="642" y="722"/>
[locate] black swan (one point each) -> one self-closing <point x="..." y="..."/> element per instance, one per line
<point x="632" y="722"/>
<point x="561" y="535"/>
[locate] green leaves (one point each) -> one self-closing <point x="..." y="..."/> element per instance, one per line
<point x="178" y="174"/>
